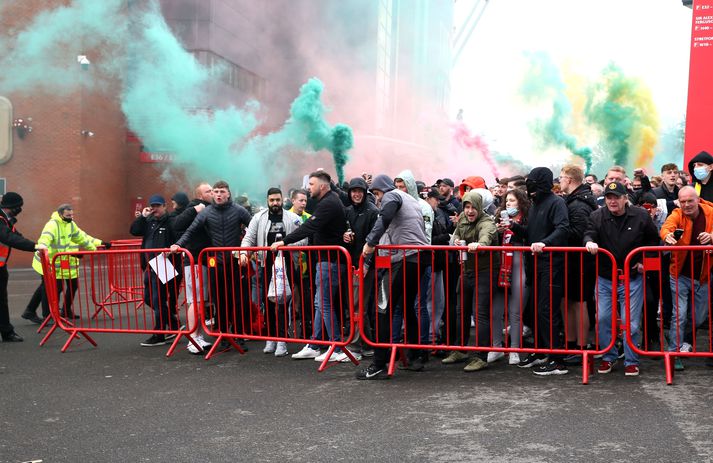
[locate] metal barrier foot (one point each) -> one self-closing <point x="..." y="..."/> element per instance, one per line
<point x="75" y="334"/>
<point x="325" y="363"/>
<point x="175" y="344"/>
<point x="587" y="367"/>
<point x="49" y="333"/>
<point x="217" y="343"/>
<point x="668" y="367"/>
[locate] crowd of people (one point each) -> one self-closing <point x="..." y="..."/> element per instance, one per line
<point x="430" y="298"/>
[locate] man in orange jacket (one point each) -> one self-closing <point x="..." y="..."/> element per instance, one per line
<point x="689" y="225"/>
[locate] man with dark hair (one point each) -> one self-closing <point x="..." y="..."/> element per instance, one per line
<point x="224" y="221"/>
<point x="326" y="227"/>
<point x="668" y="189"/>
<point x="10" y="207"/>
<point x="445" y="187"/>
<point x="266" y="227"/>
<point x="590" y="178"/>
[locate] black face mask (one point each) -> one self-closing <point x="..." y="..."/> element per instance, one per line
<point x="67" y="219"/>
<point x="531" y="188"/>
<point x="16" y="210"/>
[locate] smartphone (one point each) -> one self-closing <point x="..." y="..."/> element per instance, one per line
<point x="678" y="233"/>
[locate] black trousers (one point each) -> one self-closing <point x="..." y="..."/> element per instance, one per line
<point x="69" y="288"/>
<point x="5" y="325"/>
<point x="230" y="292"/>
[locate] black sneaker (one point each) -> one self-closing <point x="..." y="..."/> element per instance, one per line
<point x="169" y="336"/>
<point x="372" y="372"/>
<point x="550" y="368"/>
<point x="532" y="360"/>
<point x="572" y="360"/>
<point x="31" y="316"/>
<point x="415" y="364"/>
<point x="154" y="340"/>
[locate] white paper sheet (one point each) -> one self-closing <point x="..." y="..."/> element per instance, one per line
<point x="163" y="268"/>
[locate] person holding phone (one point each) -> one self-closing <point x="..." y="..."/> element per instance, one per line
<point x="689" y="225"/>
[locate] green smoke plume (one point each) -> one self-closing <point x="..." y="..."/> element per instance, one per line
<point x="164" y="92"/>
<point x="543" y="82"/>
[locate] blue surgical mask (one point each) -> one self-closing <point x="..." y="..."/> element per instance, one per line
<point x="512" y="211"/>
<point x="700" y="173"/>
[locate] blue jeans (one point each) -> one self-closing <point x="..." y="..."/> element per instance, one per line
<point x="682" y="290"/>
<point x="327" y="277"/>
<point x="604" y="306"/>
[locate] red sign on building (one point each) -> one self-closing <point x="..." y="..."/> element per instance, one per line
<point x="699" y="136"/>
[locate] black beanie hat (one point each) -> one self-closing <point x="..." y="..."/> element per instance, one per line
<point x="10" y="200"/>
<point x="181" y="199"/>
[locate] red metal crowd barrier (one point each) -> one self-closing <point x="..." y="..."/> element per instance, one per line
<point x="433" y="321"/>
<point x="669" y="324"/>
<point x="252" y="299"/>
<point x="157" y="307"/>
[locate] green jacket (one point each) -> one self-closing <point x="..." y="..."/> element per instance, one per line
<point x="482" y="231"/>
<point x="60" y="236"/>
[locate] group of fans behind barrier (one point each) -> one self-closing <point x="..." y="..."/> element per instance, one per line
<point x="429" y="297"/>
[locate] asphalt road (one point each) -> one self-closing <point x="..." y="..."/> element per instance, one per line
<point x="123" y="402"/>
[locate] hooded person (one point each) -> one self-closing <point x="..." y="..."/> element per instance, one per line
<point x="547" y="226"/>
<point x="401" y="221"/>
<point x="470" y="183"/>
<point x="700" y="167"/>
<point x="479" y="280"/>
<point x="489" y="206"/>
<point x="406" y="180"/>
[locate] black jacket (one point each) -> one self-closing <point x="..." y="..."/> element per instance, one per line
<point x="326" y="226"/>
<point x="361" y="220"/>
<point x="580" y="204"/>
<point x="182" y="221"/>
<point x="156" y="232"/>
<point x="547" y="220"/>
<point x="620" y="239"/>
<point x="223" y="223"/>
<point x="662" y="192"/>
<point x="440" y="237"/>
<point x="706" y="191"/>
<point x="13" y="239"/>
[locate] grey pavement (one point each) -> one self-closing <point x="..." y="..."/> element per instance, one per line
<point x="123" y="402"/>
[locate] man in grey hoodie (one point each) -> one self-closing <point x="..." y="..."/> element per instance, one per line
<point x="400" y="221"/>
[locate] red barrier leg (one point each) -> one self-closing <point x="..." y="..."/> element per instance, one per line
<point x="668" y="367"/>
<point x="217" y="344"/>
<point x="324" y="364"/>
<point x="44" y="323"/>
<point x="174" y="344"/>
<point x="49" y="333"/>
<point x="351" y="356"/>
<point x="587" y="365"/>
<point x="392" y="361"/>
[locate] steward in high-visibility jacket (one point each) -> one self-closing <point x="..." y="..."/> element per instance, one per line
<point x="62" y="234"/>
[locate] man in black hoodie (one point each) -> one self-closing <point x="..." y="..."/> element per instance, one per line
<point x="547" y="225"/>
<point x="580" y="266"/>
<point x="361" y="216"/>
<point x="700" y="168"/>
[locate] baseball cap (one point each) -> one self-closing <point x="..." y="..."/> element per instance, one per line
<point x="447" y="181"/>
<point x="615" y="188"/>
<point x="156" y="199"/>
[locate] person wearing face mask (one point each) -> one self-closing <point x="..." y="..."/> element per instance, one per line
<point x="516" y="205"/>
<point x="547" y="225"/>
<point x="62" y="234"/>
<point x="700" y="167"/>
<point x="10" y="208"/>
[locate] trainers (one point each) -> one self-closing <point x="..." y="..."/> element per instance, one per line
<point x="367" y="352"/>
<point x="532" y="360"/>
<point x="415" y="364"/>
<point x="454" y="357"/>
<point x="332" y="358"/>
<point x="306" y="353"/>
<point x="495" y="356"/>
<point x="605" y="367"/>
<point x="476" y="364"/>
<point x="281" y="349"/>
<point x="169" y="336"/>
<point x="342" y="357"/>
<point x="193" y="349"/>
<point x="678" y="364"/>
<point x="513" y="358"/>
<point x="372" y="372"/>
<point x="550" y="368"/>
<point x="31" y="316"/>
<point x="573" y="360"/>
<point x="685" y="347"/>
<point x="154" y="340"/>
<point x="269" y="347"/>
<point x="631" y="370"/>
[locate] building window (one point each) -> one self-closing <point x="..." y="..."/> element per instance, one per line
<point x="232" y="74"/>
<point x="5" y="130"/>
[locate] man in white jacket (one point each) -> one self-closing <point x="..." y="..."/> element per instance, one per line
<point x="266" y="227"/>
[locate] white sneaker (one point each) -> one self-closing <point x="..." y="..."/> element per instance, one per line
<point x="495" y="356"/>
<point x="685" y="347"/>
<point x="193" y="349"/>
<point x="514" y="358"/>
<point x="202" y="342"/>
<point x="332" y="358"/>
<point x="281" y="349"/>
<point x="306" y="353"/>
<point x="269" y="347"/>
<point x="342" y="357"/>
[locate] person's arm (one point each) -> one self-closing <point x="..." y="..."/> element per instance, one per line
<point x="321" y="217"/>
<point x="85" y="241"/>
<point x="387" y="214"/>
<point x="577" y="223"/>
<point x="250" y="238"/>
<point x="669" y="226"/>
<point x="560" y="219"/>
<point x="15" y="239"/>
<point x="184" y="220"/>
<point x="138" y="227"/>
<point x="198" y="222"/>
